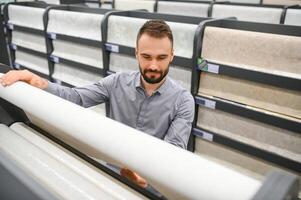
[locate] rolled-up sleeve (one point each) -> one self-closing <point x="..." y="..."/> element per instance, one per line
<point x="86" y="96"/>
<point x="180" y="128"/>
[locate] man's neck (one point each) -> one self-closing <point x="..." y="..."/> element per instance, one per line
<point x="150" y="88"/>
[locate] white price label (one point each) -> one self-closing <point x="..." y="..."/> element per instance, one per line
<point x="207" y="103"/>
<point x="112" y="47"/>
<point x="207" y="136"/>
<point x="213" y="68"/>
<point x="52" y="36"/>
<point x="55" y="59"/>
<point x="10" y="26"/>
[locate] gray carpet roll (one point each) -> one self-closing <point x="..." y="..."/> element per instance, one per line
<point x="265" y="53"/>
<point x="260" y="135"/>
<point x="278" y="100"/>
<point x="77" y="24"/>
<point x="26" y="16"/>
<point x="248" y="13"/>
<point x="75" y="76"/>
<point x="32" y="62"/>
<point x="27" y="40"/>
<point x="77" y="52"/>
<point x="183" y="8"/>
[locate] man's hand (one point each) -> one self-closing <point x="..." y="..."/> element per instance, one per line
<point x="137" y="179"/>
<point x="23" y="75"/>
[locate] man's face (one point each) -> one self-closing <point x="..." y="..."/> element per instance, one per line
<point x="154" y="56"/>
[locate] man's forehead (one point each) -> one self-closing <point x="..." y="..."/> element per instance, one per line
<point x="146" y="36"/>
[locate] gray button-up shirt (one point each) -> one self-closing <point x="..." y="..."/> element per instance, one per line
<point x="166" y="114"/>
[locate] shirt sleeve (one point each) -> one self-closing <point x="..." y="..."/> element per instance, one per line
<point x="180" y="128"/>
<point x="86" y="96"/>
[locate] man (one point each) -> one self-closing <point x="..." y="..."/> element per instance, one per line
<point x="147" y="100"/>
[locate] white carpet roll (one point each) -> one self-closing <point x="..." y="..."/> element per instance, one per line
<point x="271" y="53"/>
<point x="27" y="40"/>
<point x="183" y="8"/>
<point x="189" y="177"/>
<point x="99" y="109"/>
<point x="75" y="76"/>
<point x="78" y="52"/>
<point x="58" y="171"/>
<point x="293" y="17"/>
<point x="26" y="16"/>
<point x="263" y="136"/>
<point x="248" y="13"/>
<point x="56" y="2"/>
<point x="183" y="35"/>
<point x="77" y="24"/>
<point x="32" y="62"/>
<point x="123" y="63"/>
<point x="124" y="30"/>
<point x="135" y="4"/>
<point x="278" y="100"/>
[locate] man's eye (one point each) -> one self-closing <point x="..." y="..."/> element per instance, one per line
<point x="146" y="57"/>
<point x="162" y="57"/>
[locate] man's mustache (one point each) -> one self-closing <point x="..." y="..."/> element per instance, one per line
<point x="151" y="70"/>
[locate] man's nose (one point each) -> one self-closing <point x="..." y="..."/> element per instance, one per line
<point x="153" y="65"/>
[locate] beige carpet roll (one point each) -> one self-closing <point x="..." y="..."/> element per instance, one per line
<point x="271" y="53"/>
<point x="282" y="2"/>
<point x="263" y="136"/>
<point x="278" y="100"/>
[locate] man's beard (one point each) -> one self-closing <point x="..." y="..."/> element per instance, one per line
<point x="153" y="79"/>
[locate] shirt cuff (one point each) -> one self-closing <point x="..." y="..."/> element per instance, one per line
<point x="51" y="88"/>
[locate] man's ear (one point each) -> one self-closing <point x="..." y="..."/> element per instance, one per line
<point x="172" y="55"/>
<point x="136" y="52"/>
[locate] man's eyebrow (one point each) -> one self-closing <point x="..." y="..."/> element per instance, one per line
<point x="160" y="55"/>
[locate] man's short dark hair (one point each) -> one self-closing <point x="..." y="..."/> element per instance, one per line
<point x="156" y="28"/>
